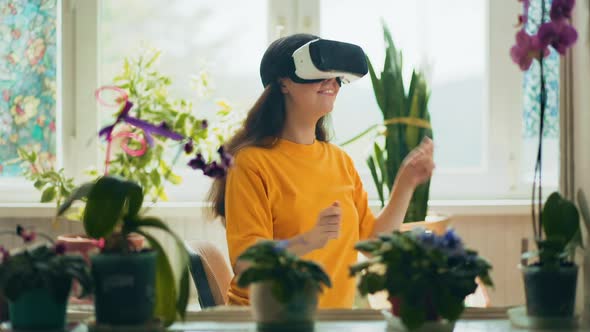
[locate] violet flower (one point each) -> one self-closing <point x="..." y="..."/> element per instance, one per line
<point x="60" y="248"/>
<point x="198" y="162"/>
<point x="189" y="147"/>
<point x="5" y="254"/>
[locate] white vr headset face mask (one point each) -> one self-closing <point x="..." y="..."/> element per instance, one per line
<point x="322" y="59"/>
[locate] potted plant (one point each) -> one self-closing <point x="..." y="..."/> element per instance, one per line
<point x="550" y="282"/>
<point x="427" y="276"/>
<point x="132" y="286"/>
<point x="406" y="121"/>
<point x="284" y="288"/>
<point x="37" y="281"/>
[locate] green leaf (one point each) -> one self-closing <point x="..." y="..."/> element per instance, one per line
<point x="413" y="317"/>
<point x="371" y="283"/>
<point x="166" y="296"/>
<point x="48" y="195"/>
<point x="40" y="184"/>
<point x="105" y="206"/>
<point x="78" y="194"/>
<point x="381" y="163"/>
<point x="155" y="177"/>
<point x="448" y="305"/>
<point x="377" y="87"/>
<point x="183" y="292"/>
<point x="378" y="182"/>
<point x="134" y="198"/>
<point x="560" y="218"/>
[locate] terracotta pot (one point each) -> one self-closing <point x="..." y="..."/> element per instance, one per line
<point x="267" y="310"/>
<point x="84" y="245"/>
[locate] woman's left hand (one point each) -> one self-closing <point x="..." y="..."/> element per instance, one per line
<point x="418" y="165"/>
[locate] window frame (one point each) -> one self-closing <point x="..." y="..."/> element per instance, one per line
<point x="498" y="177"/>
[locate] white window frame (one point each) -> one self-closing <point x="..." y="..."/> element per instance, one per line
<point x="499" y="174"/>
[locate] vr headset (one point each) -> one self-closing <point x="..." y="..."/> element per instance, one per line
<point x="322" y="59"/>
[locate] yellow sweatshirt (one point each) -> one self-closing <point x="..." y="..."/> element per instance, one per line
<point x="277" y="193"/>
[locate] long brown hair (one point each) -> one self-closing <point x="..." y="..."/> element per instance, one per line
<point x="265" y="121"/>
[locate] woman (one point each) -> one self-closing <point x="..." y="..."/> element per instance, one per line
<point x="289" y="183"/>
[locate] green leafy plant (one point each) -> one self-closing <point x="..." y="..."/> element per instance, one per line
<point x="112" y="212"/>
<point x="289" y="273"/>
<point x="54" y="185"/>
<point x="561" y="225"/>
<point x="45" y="266"/>
<point x="425" y="272"/>
<point x="406" y="121"/>
<point x="148" y="88"/>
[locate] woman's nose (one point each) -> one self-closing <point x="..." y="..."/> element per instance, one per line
<point x="331" y="80"/>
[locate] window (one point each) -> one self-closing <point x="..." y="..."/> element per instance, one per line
<point x="531" y="110"/>
<point x="455" y="67"/>
<point x="476" y="103"/>
<point x="194" y="36"/>
<point x="28" y="82"/>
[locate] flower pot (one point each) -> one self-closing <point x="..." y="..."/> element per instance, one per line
<point x="431" y="313"/>
<point x="38" y="309"/>
<point x="125" y="286"/>
<point x="550" y="292"/>
<point x="270" y="314"/>
<point x="3" y="309"/>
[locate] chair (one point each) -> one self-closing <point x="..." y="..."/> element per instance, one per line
<point x="210" y="271"/>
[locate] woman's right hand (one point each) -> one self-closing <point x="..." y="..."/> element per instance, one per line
<point x="326" y="228"/>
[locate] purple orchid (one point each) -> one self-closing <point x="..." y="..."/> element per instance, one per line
<point x="560" y="35"/>
<point x="561" y="9"/>
<point x="526" y="49"/>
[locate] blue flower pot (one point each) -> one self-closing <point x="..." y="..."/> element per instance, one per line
<point x="38" y="309"/>
<point x="125" y="287"/>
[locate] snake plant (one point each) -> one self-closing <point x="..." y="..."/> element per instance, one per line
<point x="406" y="121"/>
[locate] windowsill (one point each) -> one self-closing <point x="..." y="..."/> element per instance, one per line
<point x="184" y="209"/>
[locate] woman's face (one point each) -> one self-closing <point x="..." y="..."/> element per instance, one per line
<point x="315" y="99"/>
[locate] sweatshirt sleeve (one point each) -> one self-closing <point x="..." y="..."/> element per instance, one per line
<point x="248" y="215"/>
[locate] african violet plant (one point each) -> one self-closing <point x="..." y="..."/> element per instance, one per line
<point x="271" y="262"/>
<point x="427" y="276"/>
<point x="41" y="267"/>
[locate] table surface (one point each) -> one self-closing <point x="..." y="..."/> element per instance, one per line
<point x="232" y="319"/>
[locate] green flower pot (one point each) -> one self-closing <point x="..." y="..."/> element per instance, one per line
<point x="38" y="309"/>
<point x="550" y="292"/>
<point x="125" y="287"/>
